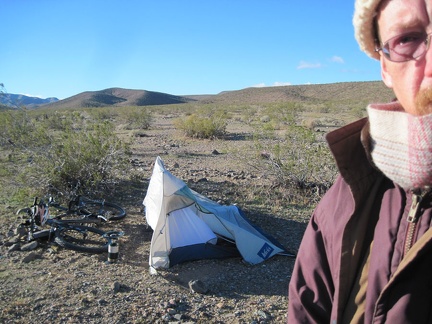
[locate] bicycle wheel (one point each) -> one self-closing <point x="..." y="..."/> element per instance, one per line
<point x="108" y="210"/>
<point x="82" y="239"/>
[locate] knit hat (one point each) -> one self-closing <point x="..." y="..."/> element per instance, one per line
<point x="363" y="21"/>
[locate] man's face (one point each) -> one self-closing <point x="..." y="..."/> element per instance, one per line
<point x="411" y="81"/>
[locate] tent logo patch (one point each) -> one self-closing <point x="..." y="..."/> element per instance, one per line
<point x="265" y="251"/>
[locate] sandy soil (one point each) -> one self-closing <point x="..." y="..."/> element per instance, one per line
<point x="53" y="285"/>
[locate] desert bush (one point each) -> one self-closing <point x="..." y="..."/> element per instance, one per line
<point x="89" y="160"/>
<point x="19" y="129"/>
<point x="199" y="125"/>
<point x="81" y="157"/>
<point x="283" y="112"/>
<point x="249" y="114"/>
<point x="137" y="118"/>
<point x="100" y="114"/>
<point x="298" y="162"/>
<point x="310" y="123"/>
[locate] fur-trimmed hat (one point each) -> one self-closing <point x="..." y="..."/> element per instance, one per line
<point x="363" y="21"/>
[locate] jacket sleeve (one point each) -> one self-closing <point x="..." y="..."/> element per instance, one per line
<point x="311" y="286"/>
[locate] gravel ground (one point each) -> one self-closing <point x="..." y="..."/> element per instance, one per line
<point x="51" y="285"/>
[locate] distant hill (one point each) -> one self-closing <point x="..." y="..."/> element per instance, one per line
<point x="372" y="91"/>
<point x="18" y="100"/>
<point x="343" y="93"/>
<point x="118" y="97"/>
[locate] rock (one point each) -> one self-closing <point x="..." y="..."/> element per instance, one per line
<point x="215" y="152"/>
<point x="31" y="257"/>
<point x="20" y="231"/>
<point x="265" y="155"/>
<point x="102" y="302"/>
<point x="178" y="317"/>
<point x="29" y="246"/>
<point x="116" y="286"/>
<point x="12" y="241"/>
<point x="14" y="247"/>
<point x="10" y="233"/>
<point x="171" y="311"/>
<point x="265" y="119"/>
<point x="263" y="315"/>
<point x="166" y="318"/>
<point x="197" y="286"/>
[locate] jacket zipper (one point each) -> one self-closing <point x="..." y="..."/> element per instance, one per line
<point x="412" y="219"/>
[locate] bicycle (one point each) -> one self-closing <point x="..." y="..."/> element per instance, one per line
<point x="68" y="235"/>
<point x="84" y="210"/>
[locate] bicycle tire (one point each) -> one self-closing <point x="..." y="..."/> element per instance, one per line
<point x="82" y="239"/>
<point x="111" y="211"/>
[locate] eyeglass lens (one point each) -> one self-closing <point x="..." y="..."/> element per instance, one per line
<point x="406" y="47"/>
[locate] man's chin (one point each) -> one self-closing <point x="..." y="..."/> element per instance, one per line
<point x="423" y="102"/>
<point x="424" y="109"/>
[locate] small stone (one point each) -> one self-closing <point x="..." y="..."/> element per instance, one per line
<point x="178" y="317"/>
<point x="102" y="302"/>
<point x="31" y="257"/>
<point x="85" y="300"/>
<point x="166" y="318"/>
<point x="20" y="231"/>
<point x="171" y="311"/>
<point x="14" y="247"/>
<point x="197" y="286"/>
<point x="12" y="241"/>
<point x="29" y="246"/>
<point x="263" y="315"/>
<point x="116" y="287"/>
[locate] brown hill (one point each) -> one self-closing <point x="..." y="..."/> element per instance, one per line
<point x="118" y="97"/>
<point x="344" y="92"/>
<point x="372" y="91"/>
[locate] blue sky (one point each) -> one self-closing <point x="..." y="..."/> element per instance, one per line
<point x="59" y="48"/>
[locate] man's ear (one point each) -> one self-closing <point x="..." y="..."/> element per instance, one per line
<point x="384" y="73"/>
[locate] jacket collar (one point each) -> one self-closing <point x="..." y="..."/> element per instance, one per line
<point x="349" y="146"/>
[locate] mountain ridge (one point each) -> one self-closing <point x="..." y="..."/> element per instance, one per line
<point x="118" y="97"/>
<point x="367" y="91"/>
<point x="18" y="100"/>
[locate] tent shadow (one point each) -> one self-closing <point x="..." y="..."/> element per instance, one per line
<point x="135" y="245"/>
<point x="228" y="278"/>
<point x="233" y="278"/>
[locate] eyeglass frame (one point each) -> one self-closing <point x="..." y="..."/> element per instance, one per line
<point x="426" y="41"/>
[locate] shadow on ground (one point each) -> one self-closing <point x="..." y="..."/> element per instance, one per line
<point x="230" y="278"/>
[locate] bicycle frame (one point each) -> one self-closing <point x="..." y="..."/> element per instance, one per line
<point x="66" y="234"/>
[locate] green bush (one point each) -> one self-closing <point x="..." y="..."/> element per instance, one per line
<point x="79" y="157"/>
<point x="20" y="129"/>
<point x="89" y="160"/>
<point x="199" y="126"/>
<point x="137" y="118"/>
<point x="299" y="161"/>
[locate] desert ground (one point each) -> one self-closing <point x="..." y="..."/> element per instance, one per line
<point x="53" y="285"/>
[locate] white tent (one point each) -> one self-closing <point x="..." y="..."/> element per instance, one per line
<point x="189" y="226"/>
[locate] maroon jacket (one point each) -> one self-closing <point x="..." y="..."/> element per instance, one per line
<point x="399" y="288"/>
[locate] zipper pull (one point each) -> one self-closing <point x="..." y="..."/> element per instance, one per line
<point x="412" y="214"/>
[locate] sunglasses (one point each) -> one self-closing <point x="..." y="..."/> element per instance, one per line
<point x="405" y="47"/>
